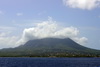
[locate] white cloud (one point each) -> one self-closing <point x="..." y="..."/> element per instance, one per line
<point x="7" y="41"/>
<point x="90" y="28"/>
<point x="42" y="13"/>
<point x="82" y="40"/>
<point x="2" y="34"/>
<point x="44" y="29"/>
<point x="82" y="4"/>
<point x="1" y="12"/>
<point x="51" y="29"/>
<point x="7" y="29"/>
<point x="19" y="14"/>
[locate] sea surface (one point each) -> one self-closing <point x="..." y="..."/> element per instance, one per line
<point x="49" y="62"/>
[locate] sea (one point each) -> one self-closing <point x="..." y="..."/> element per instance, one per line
<point x="48" y="62"/>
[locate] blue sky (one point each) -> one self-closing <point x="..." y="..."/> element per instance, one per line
<point x="16" y="15"/>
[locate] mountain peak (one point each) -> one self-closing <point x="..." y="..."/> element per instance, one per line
<point x="50" y="47"/>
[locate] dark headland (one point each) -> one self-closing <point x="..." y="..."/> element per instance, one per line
<point x="50" y="47"/>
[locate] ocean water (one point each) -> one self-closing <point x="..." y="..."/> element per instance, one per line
<point x="49" y="62"/>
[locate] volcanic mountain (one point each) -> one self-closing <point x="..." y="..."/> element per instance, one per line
<point x="50" y="47"/>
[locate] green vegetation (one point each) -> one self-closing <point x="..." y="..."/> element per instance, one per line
<point x="50" y="47"/>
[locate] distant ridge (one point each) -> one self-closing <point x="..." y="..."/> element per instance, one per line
<point x="50" y="47"/>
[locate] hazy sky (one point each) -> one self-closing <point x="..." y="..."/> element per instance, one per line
<point x="22" y="20"/>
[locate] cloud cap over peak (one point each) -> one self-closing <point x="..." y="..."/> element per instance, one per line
<point x="50" y="29"/>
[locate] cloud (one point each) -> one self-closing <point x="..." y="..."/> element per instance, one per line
<point x="6" y="29"/>
<point x="51" y="29"/>
<point x="1" y="12"/>
<point x="19" y="14"/>
<point x="42" y="13"/>
<point x="81" y="40"/>
<point x="43" y="29"/>
<point x="2" y="34"/>
<point x="82" y="4"/>
<point x="7" y="41"/>
<point x="90" y="28"/>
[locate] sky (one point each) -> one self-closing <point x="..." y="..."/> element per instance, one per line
<point x="24" y="20"/>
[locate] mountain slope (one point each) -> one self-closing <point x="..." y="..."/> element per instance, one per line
<point x="50" y="47"/>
